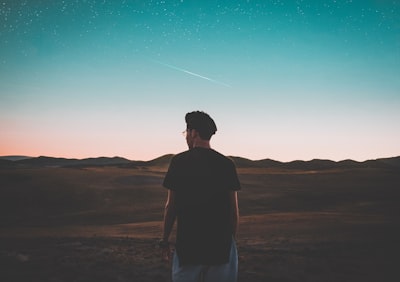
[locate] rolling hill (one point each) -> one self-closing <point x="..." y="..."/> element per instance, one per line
<point x="163" y="161"/>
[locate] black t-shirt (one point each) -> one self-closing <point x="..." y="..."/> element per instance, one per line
<point x="202" y="180"/>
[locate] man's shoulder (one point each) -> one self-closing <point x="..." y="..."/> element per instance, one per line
<point x="224" y="157"/>
<point x="180" y="156"/>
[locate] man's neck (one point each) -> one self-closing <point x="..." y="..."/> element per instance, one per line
<point x="200" y="143"/>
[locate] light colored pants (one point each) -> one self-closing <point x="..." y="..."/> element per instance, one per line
<point x="207" y="273"/>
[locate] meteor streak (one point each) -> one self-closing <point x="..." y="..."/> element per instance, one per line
<point x="191" y="73"/>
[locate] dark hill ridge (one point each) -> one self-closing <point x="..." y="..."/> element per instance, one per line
<point x="14" y="158"/>
<point x="161" y="161"/>
<point x="63" y="162"/>
<point x="316" y="164"/>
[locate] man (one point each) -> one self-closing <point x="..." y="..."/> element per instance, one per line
<point x="202" y="195"/>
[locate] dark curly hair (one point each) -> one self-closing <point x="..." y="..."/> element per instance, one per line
<point x="201" y="122"/>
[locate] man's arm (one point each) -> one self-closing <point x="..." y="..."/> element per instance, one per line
<point x="169" y="220"/>
<point x="169" y="215"/>
<point x="234" y="212"/>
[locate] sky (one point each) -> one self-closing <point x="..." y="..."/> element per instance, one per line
<point x="285" y="80"/>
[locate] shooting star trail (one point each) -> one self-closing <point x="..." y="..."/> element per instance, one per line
<point x="191" y="73"/>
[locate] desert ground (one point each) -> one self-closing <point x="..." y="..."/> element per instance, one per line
<point x="103" y="224"/>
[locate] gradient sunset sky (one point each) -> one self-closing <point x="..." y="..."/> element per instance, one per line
<point x="284" y="80"/>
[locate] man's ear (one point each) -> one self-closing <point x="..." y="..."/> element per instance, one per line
<point x="194" y="133"/>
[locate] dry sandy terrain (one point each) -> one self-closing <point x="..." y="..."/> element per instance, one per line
<point x="102" y="224"/>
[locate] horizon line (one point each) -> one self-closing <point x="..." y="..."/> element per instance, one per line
<point x="253" y="160"/>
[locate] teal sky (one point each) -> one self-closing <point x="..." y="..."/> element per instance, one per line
<point x="283" y="80"/>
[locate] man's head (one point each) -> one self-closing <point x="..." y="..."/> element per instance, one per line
<point x="202" y="123"/>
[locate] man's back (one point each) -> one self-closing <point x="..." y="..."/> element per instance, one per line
<point x="202" y="180"/>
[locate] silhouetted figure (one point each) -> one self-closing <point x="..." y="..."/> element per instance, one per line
<point x="202" y="195"/>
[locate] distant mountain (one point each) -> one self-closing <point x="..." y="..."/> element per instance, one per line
<point x="316" y="164"/>
<point x="268" y="163"/>
<point x="243" y="162"/>
<point x="47" y="161"/>
<point x="14" y="158"/>
<point x="63" y="162"/>
<point x="102" y="161"/>
<point x="161" y="161"/>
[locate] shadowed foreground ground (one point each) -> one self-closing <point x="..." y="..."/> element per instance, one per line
<point x="303" y="226"/>
<point x="285" y="247"/>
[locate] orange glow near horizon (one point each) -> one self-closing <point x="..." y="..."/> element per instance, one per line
<point x="147" y="147"/>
